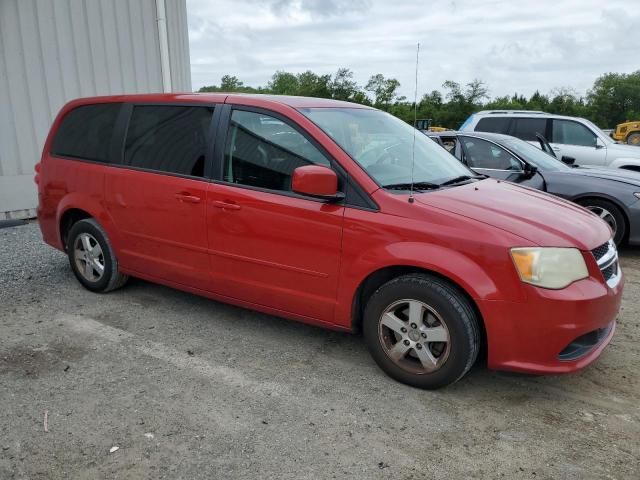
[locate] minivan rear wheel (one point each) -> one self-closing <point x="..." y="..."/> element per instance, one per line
<point x="91" y="257"/>
<point x="422" y="331"/>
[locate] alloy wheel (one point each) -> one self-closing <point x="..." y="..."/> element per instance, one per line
<point x="414" y="336"/>
<point x="605" y="215"/>
<point x="88" y="257"/>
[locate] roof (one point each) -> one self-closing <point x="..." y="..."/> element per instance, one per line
<point x="215" y="97"/>
<point x="525" y="113"/>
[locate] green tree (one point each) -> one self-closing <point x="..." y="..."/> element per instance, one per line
<point x="384" y="90"/>
<point x="229" y="83"/>
<point x="615" y="98"/>
<point x="343" y="86"/>
<point x="313" y="85"/>
<point x="283" y="83"/>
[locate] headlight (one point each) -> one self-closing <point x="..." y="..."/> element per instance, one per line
<point x="637" y="194"/>
<point x="549" y="267"/>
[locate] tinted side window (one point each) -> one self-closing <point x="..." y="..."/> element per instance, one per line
<point x="170" y="139"/>
<point x="482" y="154"/>
<point x="526" y="128"/>
<point x="263" y="151"/>
<point x="572" y="133"/>
<point x="493" y="124"/>
<point x="86" y="132"/>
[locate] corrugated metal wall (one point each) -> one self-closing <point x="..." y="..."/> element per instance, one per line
<point x="54" y="51"/>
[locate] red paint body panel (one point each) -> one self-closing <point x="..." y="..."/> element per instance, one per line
<point x="289" y="254"/>
<point x="304" y="259"/>
<point x="162" y="224"/>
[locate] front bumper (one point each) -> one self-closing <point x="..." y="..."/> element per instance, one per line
<point x="534" y="337"/>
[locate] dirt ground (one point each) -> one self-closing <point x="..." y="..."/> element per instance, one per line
<point x="188" y="388"/>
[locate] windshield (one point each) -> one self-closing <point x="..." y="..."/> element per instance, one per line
<point x="532" y="154"/>
<point x="382" y="144"/>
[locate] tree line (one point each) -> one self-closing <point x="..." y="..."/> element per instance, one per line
<point x="613" y="98"/>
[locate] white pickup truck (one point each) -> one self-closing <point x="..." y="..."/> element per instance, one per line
<point x="573" y="139"/>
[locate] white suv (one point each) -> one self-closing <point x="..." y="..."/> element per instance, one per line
<point x="571" y="138"/>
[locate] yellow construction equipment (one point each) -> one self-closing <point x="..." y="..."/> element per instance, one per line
<point x="628" y="132"/>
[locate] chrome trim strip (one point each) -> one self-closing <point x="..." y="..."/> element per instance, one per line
<point x="612" y="254"/>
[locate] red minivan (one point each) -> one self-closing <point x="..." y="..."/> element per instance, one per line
<point x="334" y="214"/>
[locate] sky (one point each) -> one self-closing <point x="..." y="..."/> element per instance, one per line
<point x="513" y="45"/>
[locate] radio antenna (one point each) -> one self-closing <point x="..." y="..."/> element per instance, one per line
<point x="415" y="125"/>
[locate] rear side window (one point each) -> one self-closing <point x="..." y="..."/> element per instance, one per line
<point x="86" y="132"/>
<point x="171" y="139"/>
<point x="527" y="128"/>
<point x="493" y="125"/>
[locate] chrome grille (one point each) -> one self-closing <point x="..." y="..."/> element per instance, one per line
<point x="607" y="259"/>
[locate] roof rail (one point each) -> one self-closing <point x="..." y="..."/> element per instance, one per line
<point x="511" y="112"/>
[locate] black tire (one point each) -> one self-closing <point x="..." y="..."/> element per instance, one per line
<point x="597" y="206"/>
<point x="634" y="139"/>
<point x="110" y="278"/>
<point x="452" y="307"/>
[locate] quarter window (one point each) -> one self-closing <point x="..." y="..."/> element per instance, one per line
<point x="170" y="139"/>
<point x="263" y="151"/>
<point x="527" y="128"/>
<point x="86" y="132"/>
<point x="482" y="154"/>
<point x="567" y="132"/>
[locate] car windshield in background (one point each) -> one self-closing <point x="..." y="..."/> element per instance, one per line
<point x="383" y="144"/>
<point x="540" y="159"/>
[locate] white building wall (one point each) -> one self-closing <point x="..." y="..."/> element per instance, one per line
<point x="55" y="51"/>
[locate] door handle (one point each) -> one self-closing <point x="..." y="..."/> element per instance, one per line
<point x="226" y="205"/>
<point x="187" y="197"/>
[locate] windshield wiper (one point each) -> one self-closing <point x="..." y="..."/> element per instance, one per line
<point x="462" y="178"/>
<point x="416" y="186"/>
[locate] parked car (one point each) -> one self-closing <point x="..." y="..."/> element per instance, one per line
<point x="628" y="132"/>
<point x="611" y="194"/>
<point x="570" y="137"/>
<point x="333" y="214"/>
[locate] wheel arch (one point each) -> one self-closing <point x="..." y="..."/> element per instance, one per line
<point x="70" y="217"/>
<point x="75" y="207"/>
<point x="614" y="201"/>
<point x="379" y="277"/>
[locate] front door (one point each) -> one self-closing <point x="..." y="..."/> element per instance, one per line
<point x="158" y="199"/>
<point x="270" y="246"/>
<point x="574" y="140"/>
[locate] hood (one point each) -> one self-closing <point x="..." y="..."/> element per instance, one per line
<point x="616" y="174"/>
<point x="535" y="216"/>
<point x="628" y="151"/>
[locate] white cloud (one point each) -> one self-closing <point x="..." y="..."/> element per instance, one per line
<point x="512" y="46"/>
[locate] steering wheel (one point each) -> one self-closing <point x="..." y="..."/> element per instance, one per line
<point x="381" y="158"/>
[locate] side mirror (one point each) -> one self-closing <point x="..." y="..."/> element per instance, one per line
<point x="530" y="170"/>
<point x="599" y="143"/>
<point x="568" y="160"/>
<point x="317" y="182"/>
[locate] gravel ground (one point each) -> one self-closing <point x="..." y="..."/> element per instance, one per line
<point x="189" y="388"/>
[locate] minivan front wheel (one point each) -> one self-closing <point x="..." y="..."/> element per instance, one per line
<point x="91" y="257"/>
<point x="421" y="331"/>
